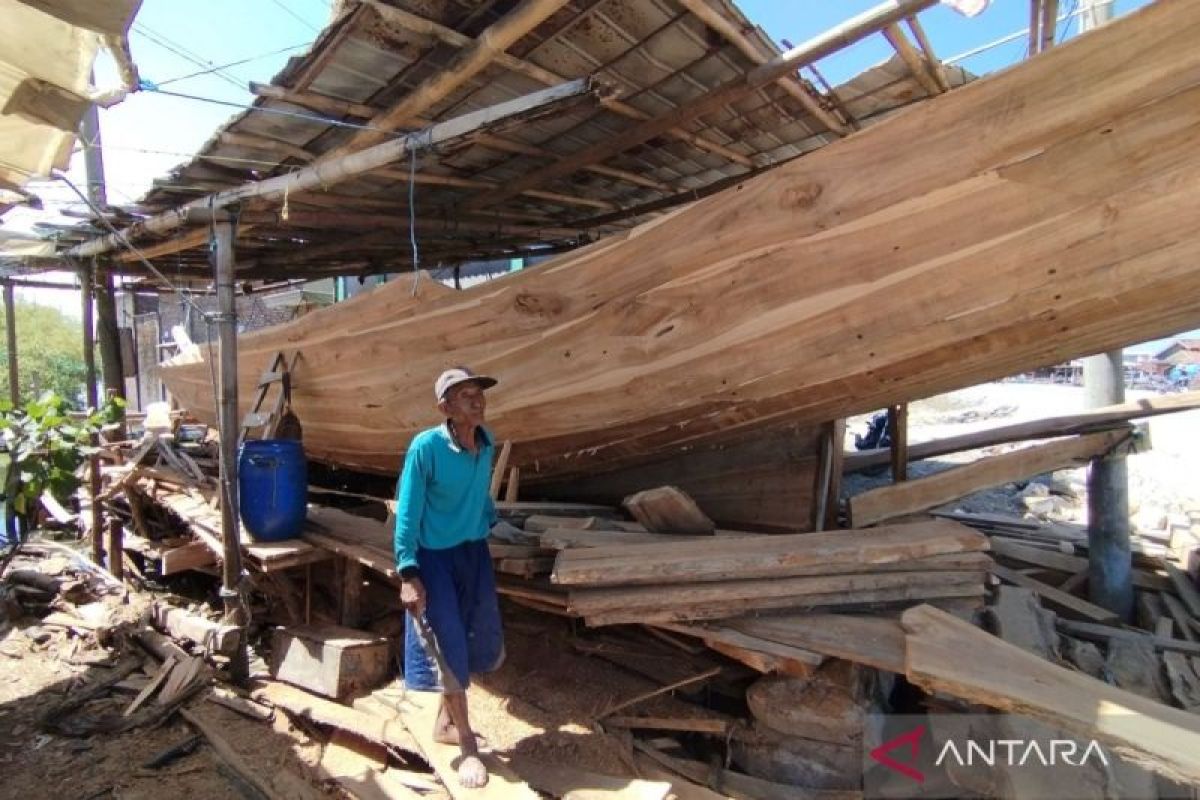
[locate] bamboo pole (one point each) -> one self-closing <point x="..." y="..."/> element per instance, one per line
<point x="334" y="106"/>
<point x="931" y="60"/>
<point x="231" y="571"/>
<point x="10" y="331"/>
<point x="865" y="24"/>
<point x="469" y="61"/>
<point x="1035" y="27"/>
<point x="333" y="171"/>
<point x="1049" y="23"/>
<point x="89" y="365"/>
<point x="789" y="83"/>
<point x="533" y="71"/>
<point x="908" y="54"/>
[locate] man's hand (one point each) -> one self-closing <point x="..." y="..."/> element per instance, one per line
<point x="412" y="596"/>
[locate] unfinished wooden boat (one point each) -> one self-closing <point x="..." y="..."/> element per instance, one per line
<point x="1041" y="214"/>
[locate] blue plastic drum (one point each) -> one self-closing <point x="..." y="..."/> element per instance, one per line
<point x="273" y="488"/>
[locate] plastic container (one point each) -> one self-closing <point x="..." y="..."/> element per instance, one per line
<point x="273" y="488"/>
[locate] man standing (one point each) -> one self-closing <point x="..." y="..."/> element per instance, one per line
<point x="443" y="517"/>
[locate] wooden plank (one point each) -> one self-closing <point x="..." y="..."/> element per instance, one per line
<point x="874" y="641"/>
<point x="160" y="675"/>
<point x="1091" y="421"/>
<point x="362" y="769"/>
<point x="946" y="654"/>
<point x="513" y="486"/>
<point x="1057" y="597"/>
<point x="1103" y="633"/>
<point x="564" y="780"/>
<point x="392" y="733"/>
<point x="765" y="556"/>
<point x="1182" y="583"/>
<point x="230" y="756"/>
<point x="589" y="602"/>
<point x="417" y="711"/>
<point x="566" y="538"/>
<point x="668" y="509"/>
<point x="1179" y="616"/>
<point x="186" y="557"/>
<point x="693" y="724"/>
<point x="760" y="654"/>
<point x="877" y="505"/>
<point x="904" y="595"/>
<point x="500" y="468"/>
<point x="1064" y="562"/>
<point x="213" y="636"/>
<point x="540" y="523"/>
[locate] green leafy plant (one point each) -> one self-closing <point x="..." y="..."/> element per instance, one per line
<point x="47" y="446"/>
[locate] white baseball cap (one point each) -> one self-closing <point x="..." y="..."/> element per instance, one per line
<point x="455" y="376"/>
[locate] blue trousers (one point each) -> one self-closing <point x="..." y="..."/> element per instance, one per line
<point x="464" y="612"/>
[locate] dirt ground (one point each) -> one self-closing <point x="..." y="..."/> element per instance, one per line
<point x="540" y="705"/>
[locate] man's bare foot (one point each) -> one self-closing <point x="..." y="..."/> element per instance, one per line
<point x="472" y="773"/>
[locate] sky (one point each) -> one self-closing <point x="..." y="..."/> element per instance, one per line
<point x="171" y="40"/>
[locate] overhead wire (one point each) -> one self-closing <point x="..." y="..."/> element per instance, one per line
<point x="296" y="16"/>
<point x="184" y="53"/>
<point x="237" y="63"/>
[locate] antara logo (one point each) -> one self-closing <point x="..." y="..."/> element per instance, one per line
<point x="911" y="740"/>
<point x="1019" y="752"/>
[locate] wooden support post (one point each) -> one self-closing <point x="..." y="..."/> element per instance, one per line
<point x="1035" y="27"/>
<point x="10" y="332"/>
<point x="501" y="460"/>
<point x="116" y="548"/>
<point x="838" y="465"/>
<point x="1110" y="559"/>
<point x="1049" y="24"/>
<point x="898" y="427"/>
<point x="231" y="573"/>
<point x="89" y="364"/>
<point x="352" y="583"/>
<point x="108" y="335"/>
<point x="829" y="476"/>
<point x="513" y="486"/>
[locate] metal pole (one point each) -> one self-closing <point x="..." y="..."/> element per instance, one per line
<point x="10" y="328"/>
<point x="1110" y="560"/>
<point x="228" y="424"/>
<point x="89" y="363"/>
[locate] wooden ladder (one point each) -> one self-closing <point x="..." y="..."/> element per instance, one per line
<point x="279" y="371"/>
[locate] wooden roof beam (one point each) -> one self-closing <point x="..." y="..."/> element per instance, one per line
<point x="337" y="107"/>
<point x="431" y="179"/>
<point x="865" y="24"/>
<point x="542" y="75"/>
<point x="912" y="59"/>
<point x="469" y="61"/>
<point x="936" y="68"/>
<point x="266" y="144"/>
<point x="789" y="83"/>
<point x="330" y="171"/>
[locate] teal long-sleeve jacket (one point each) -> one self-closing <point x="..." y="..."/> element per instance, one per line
<point x="444" y="498"/>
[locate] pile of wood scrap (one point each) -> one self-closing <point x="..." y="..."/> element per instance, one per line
<point x="670" y="581"/>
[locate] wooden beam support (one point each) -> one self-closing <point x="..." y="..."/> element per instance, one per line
<point x="1055" y="596"/>
<point x="869" y="22"/>
<point x="936" y="68"/>
<point x="328" y="172"/>
<point x="266" y="144"/>
<point x="469" y="61"/>
<point x="898" y="427"/>
<point x="789" y="83"/>
<point x="545" y="76"/>
<point x="899" y="499"/>
<point x="1090" y="421"/>
<point x="911" y="58"/>
<point x="345" y="108"/>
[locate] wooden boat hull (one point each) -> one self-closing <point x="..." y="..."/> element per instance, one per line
<point x="1041" y="214"/>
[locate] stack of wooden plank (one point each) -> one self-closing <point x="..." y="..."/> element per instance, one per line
<point x="719" y="577"/>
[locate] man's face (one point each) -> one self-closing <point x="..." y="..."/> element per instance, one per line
<point x="464" y="404"/>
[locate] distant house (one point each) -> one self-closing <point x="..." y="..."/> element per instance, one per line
<point x="1181" y="351"/>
